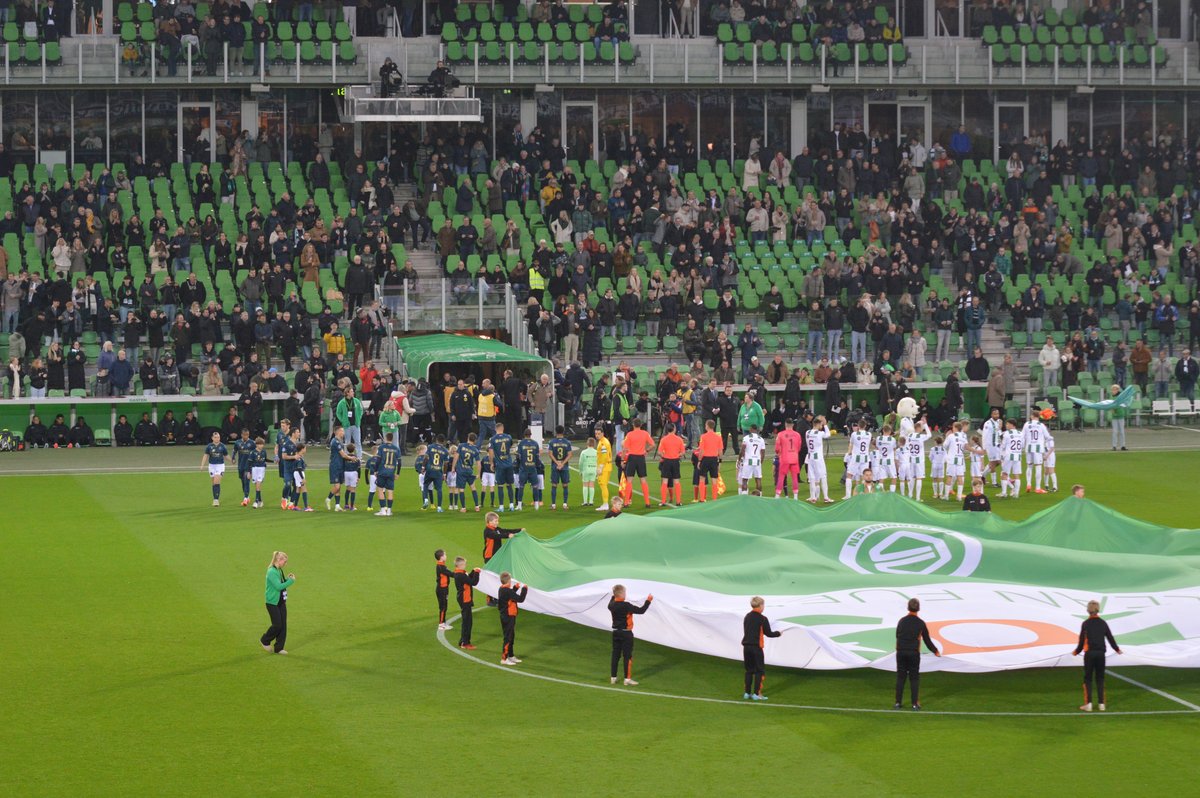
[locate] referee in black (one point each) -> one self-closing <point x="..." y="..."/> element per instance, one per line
<point x="909" y="633"/>
<point x="1092" y="638"/>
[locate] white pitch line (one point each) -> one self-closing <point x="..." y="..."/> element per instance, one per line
<point x="1156" y="691"/>
<point x="441" y="636"/>
<point x="1186" y="429"/>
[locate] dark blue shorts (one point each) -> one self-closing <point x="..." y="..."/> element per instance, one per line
<point x="560" y="475"/>
<point x="385" y="481"/>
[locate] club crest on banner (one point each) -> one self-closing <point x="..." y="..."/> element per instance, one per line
<point x="917" y="549"/>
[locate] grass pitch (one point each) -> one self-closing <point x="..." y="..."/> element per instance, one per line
<point x="130" y="666"/>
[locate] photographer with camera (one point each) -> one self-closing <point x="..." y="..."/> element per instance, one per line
<point x="390" y="79"/>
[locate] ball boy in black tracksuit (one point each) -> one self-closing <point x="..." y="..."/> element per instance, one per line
<point x="1092" y="638"/>
<point x="755" y="629"/>
<point x="910" y="632"/>
<point x="464" y="583"/>
<point x="622" y="626"/>
<point x="508" y="597"/>
<point x="443" y="576"/>
<point x="494" y="536"/>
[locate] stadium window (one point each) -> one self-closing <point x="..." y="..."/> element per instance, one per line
<point x="20" y="125"/>
<point x="125" y="128"/>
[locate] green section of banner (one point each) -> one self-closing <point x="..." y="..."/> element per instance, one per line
<point x="744" y="544"/>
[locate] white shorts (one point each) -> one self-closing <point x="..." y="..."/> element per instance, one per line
<point x="216" y="469"/>
<point x="452" y="479"/>
<point x="977" y="467"/>
<point x="488" y="479"/>
<point x="816" y="469"/>
<point x="749" y="471"/>
<point x="1050" y="459"/>
<point x="885" y="470"/>
<point x="258" y="474"/>
<point x="855" y="468"/>
<point x="916" y="468"/>
<point x="937" y="470"/>
<point x="1011" y="465"/>
<point x="298" y="478"/>
<point x="956" y="468"/>
<point x="1033" y="458"/>
<point x="371" y="482"/>
<point x="904" y="469"/>
<point x="993" y="453"/>
<point x="351" y="479"/>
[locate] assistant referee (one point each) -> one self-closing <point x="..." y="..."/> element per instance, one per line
<point x="277" y="585"/>
<point x="910" y="632"/>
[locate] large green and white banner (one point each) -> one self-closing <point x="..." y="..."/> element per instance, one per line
<point x="996" y="594"/>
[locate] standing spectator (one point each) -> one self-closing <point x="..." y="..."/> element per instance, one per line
<point x="1186" y="372"/>
<point x="1161" y="374"/>
<point x="1139" y="360"/>
<point x="349" y="413"/>
<point x="1051" y="361"/>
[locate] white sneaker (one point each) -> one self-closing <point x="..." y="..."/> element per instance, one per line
<point x="514" y="661"/>
<point x="1101" y="707"/>
<point x="520" y="506"/>
<point x="507" y="662"/>
<point x="611" y="679"/>
<point x="281" y="652"/>
<point x="602" y="508"/>
<point x="1086" y="708"/>
<point x="565" y="507"/>
<point x="337" y="508"/>
<point x="630" y="683"/>
<point x="382" y="512"/>
<point x="328" y="503"/>
<point x="216" y="502"/>
<point x="445" y="627"/>
<point x="267" y="648"/>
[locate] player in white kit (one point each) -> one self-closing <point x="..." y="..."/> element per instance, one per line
<point x="978" y="456"/>
<point x="915" y="443"/>
<point x="956" y="460"/>
<point x="885" y="467"/>
<point x="750" y="461"/>
<point x="1050" y="460"/>
<point x="858" y="457"/>
<point x="937" y="467"/>
<point x="1012" y="443"/>
<point x="818" y="479"/>
<point x="1035" y="449"/>
<point x="993" y="431"/>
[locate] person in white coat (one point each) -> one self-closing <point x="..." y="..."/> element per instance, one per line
<point x="1050" y="359"/>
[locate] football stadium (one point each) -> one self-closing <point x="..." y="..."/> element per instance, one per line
<point x="415" y="397"/>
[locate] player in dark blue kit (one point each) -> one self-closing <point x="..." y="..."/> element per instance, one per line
<point x="385" y="475"/>
<point x="529" y="463"/>
<point x="464" y="466"/>
<point x="285" y="432"/>
<point x="372" y="477"/>
<point x="560" y="466"/>
<point x="350" y="472"/>
<point x="258" y="469"/>
<point x="502" y="458"/>
<point x="300" y="476"/>
<point x="337" y="468"/>
<point x="214" y="457"/>
<point x="487" y="477"/>
<point x="244" y="446"/>
<point x="288" y="453"/>
<point x="437" y="459"/>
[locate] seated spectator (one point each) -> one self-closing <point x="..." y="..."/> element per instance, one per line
<point x="145" y="433"/>
<point x="35" y="434"/>
<point x="58" y="433"/>
<point x="81" y="434"/>
<point x="123" y="432"/>
<point x="190" y="431"/>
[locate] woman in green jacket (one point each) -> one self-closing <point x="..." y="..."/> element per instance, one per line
<point x="750" y="414"/>
<point x="277" y="585"/>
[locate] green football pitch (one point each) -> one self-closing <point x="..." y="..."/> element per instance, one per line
<point x="131" y="613"/>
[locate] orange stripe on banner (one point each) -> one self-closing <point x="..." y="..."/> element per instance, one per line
<point x="1048" y="634"/>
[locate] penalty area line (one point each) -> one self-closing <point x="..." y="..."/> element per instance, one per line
<point x="1156" y="691"/>
<point x="441" y="636"/>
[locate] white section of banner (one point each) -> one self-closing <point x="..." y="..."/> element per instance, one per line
<point x="978" y="626"/>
